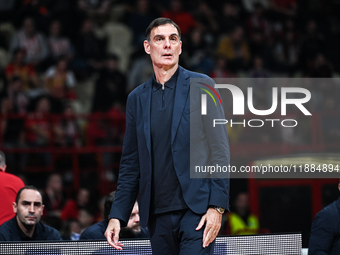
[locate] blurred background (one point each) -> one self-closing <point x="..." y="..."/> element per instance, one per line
<point x="67" y="66"/>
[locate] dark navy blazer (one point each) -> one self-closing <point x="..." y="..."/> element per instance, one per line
<point x="325" y="235"/>
<point x="135" y="166"/>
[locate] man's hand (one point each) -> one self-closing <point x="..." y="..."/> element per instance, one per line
<point x="112" y="234"/>
<point x="212" y="220"/>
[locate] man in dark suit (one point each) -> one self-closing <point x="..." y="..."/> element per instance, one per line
<point x="183" y="214"/>
<point x="26" y="225"/>
<point x="325" y="234"/>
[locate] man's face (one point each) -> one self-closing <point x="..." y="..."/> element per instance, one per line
<point x="164" y="47"/>
<point x="133" y="223"/>
<point x="29" y="208"/>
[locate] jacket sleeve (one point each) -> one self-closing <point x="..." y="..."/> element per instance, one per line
<point x="218" y="149"/>
<point x="322" y="234"/>
<point x="128" y="180"/>
<point x="220" y="155"/>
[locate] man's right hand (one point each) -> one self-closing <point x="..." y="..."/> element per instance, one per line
<point x="112" y="234"/>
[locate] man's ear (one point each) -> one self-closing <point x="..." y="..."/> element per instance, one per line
<point x="15" y="207"/>
<point x="339" y="186"/>
<point x="147" y="46"/>
<point x="181" y="47"/>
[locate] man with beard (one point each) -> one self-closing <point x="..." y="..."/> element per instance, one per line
<point x="132" y="229"/>
<point x="26" y="225"/>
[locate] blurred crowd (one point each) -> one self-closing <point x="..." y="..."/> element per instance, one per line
<point x="59" y="59"/>
<point x="51" y="49"/>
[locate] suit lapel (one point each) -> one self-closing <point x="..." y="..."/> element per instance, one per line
<point x="145" y="102"/>
<point x="182" y="89"/>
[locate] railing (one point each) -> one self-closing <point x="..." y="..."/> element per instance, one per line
<point x="102" y="133"/>
<point x="97" y="134"/>
<point x="274" y="244"/>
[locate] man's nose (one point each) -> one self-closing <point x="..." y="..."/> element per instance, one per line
<point x="167" y="43"/>
<point x="31" y="208"/>
<point x="137" y="218"/>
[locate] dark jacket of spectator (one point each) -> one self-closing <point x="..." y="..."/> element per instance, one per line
<point x="10" y="231"/>
<point x="95" y="232"/>
<point x="325" y="234"/>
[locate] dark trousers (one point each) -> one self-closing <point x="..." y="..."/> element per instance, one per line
<point x="174" y="234"/>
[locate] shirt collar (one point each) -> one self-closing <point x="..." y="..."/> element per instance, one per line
<point x="23" y="236"/>
<point x="171" y="83"/>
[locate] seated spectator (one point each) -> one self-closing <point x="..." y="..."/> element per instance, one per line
<point x="258" y="70"/>
<point x="40" y="11"/>
<point x="26" y="225"/>
<point x="13" y="110"/>
<point x="86" y="217"/>
<point x="110" y="86"/>
<point x="235" y="49"/>
<point x="60" y="83"/>
<point x="320" y="67"/>
<point x="206" y="19"/>
<point x="106" y="131"/>
<point x="72" y="206"/>
<point x="69" y="134"/>
<point x="53" y="195"/>
<point x="180" y="16"/>
<point x="139" y="19"/>
<point x="19" y="68"/>
<point x="281" y="9"/>
<point x="221" y="68"/>
<point x="38" y="126"/>
<point x="133" y="229"/>
<point x="71" y="230"/>
<point x="33" y="42"/>
<point x="140" y="71"/>
<point x="16" y="95"/>
<point x="312" y="43"/>
<point x="324" y="238"/>
<point x="258" y="22"/>
<point x="197" y="52"/>
<point x="11" y="128"/>
<point x="9" y="186"/>
<point x="240" y="221"/>
<point x="98" y="10"/>
<point x="90" y="51"/>
<point x="59" y="45"/>
<point x="250" y="5"/>
<point x="286" y="54"/>
<point x="229" y="18"/>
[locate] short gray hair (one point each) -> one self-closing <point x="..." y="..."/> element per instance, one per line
<point x="160" y="22"/>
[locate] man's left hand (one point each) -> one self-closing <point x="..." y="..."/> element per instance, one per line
<point x="212" y="220"/>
